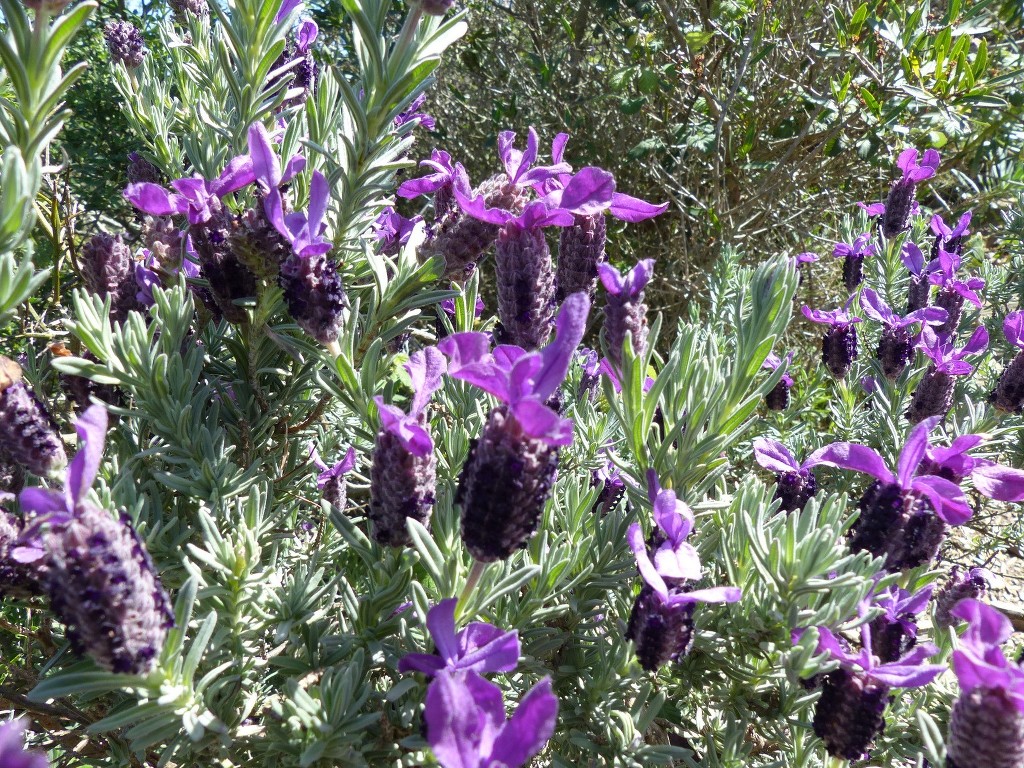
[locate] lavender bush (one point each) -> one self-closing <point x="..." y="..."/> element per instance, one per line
<point x="324" y="510"/>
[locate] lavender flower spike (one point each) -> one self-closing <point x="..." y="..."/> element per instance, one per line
<point x="896" y="344"/>
<point x="101" y="581"/>
<point x="466" y="723"/>
<point x="661" y="623"/>
<point x="901" y="194"/>
<point x="778" y="398"/>
<point x="479" y="648"/>
<point x="961" y="585"/>
<point x="28" y="434"/>
<point x="795" y="483"/>
<point x="903" y="516"/>
<point x="839" y="344"/>
<point x="12" y="748"/>
<point x="506" y="478"/>
<point x="853" y="256"/>
<point x="894" y="633"/>
<point x="986" y="729"/>
<point x="950" y="238"/>
<point x="624" y="309"/>
<point x="919" y="290"/>
<point x="934" y="394"/>
<point x="953" y="293"/>
<point x="331" y="480"/>
<point x="403" y="473"/>
<point x="1008" y="396"/>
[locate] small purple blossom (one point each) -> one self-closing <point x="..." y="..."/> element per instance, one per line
<point x="414" y="116"/>
<point x="479" y="648"/>
<point x="442" y="176"/>
<point x="1008" y="395"/>
<point x="392" y="230"/>
<point x="945" y="357"/>
<point x="950" y="238"/>
<point x="839" y="343"/>
<point x="910" y="671"/>
<point x="853" y="255"/>
<point x="193" y="197"/>
<point x="979" y="662"/>
<point x="330" y="474"/>
<point x="896" y="344"/>
<point x="795" y="483"/>
<point x="807" y="257"/>
<point x="778" y="398"/>
<point x="426" y="369"/>
<point x="901" y="194"/>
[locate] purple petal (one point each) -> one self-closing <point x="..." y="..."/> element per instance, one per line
<point x="237" y="174"/>
<point x="293" y="167"/>
<point x="426" y="369"/>
<point x="484" y="648"/>
<point x="999" y="483"/>
<point x="672" y="516"/>
<point x="677" y="561"/>
<point x="570" y="326"/>
<point x="155" y="200"/>
<point x="319" y="197"/>
<point x="977" y="342"/>
<point x="461" y="711"/>
<point x="588" y="192"/>
<point x="648" y="572"/>
<point x="42" y="501"/>
<point x="853" y="456"/>
<point x="542" y="423"/>
<point x="907" y="160"/>
<point x="774" y="456"/>
<point x="427" y="663"/>
<point x="265" y="165"/>
<point x="947" y="499"/>
<point x="441" y="623"/>
<point x="986" y="625"/>
<point x="875" y="308"/>
<point x="912" y="258"/>
<point x="92" y="431"/>
<point x="830" y="644"/>
<point x="611" y="278"/>
<point x="905" y="676"/>
<point x="413" y="436"/>
<point x="529" y="728"/>
<point x="914" y="450"/>
<point x="287" y="6"/>
<point x="306" y="35"/>
<point x="709" y="595"/>
<point x="558" y="147"/>
<point x="633" y="209"/>
<point x="1013" y="328"/>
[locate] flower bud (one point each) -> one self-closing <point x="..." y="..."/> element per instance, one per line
<point x="526" y="288"/>
<point x="879" y="527"/>
<point x="402" y="485"/>
<point x="103" y="586"/>
<point x="778" y="398"/>
<point x="436" y="7"/>
<point x="315" y="296"/>
<point x="661" y="632"/>
<point x="1008" y="396"/>
<point x="580" y="250"/>
<point x="839" y="349"/>
<point x="182" y="9"/>
<point x="923" y="534"/>
<point x="850" y="713"/>
<point x="27" y="431"/>
<point x="853" y="271"/>
<point x="897" y="208"/>
<point x="986" y="730"/>
<point x="140" y="170"/>
<point x="109" y="270"/>
<point x="125" y="43"/>
<point x="962" y="585"/>
<point x="933" y="396"/>
<point x="503" y="487"/>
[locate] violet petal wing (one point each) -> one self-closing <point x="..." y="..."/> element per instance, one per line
<point x="1013" y="328"/>
<point x="489" y="649"/>
<point x="265" y="165"/>
<point x="633" y="209"/>
<point x="710" y="595"/>
<point x="999" y="483"/>
<point x="947" y="498"/>
<point x="588" y="192"/>
<point x="92" y="431"/>
<point x="154" y="199"/>
<point x="635" y="537"/>
<point x="427" y="663"/>
<point x="853" y="456"/>
<point x="913" y="450"/>
<point x="774" y="456"/>
<point x="453" y="720"/>
<point x="441" y="623"/>
<point x="541" y="422"/>
<point x="570" y="326"/>
<point x="529" y="728"/>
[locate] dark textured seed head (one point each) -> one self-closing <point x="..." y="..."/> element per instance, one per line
<point x="580" y="250"/>
<point x="923" y="534"/>
<point x="953" y="303"/>
<point x="12" y="474"/>
<point x="526" y="288"/>
<point x="933" y="396"/>
<point x="258" y="245"/>
<point x="661" y="632"/>
<point x="850" y="713"/>
<point x="164" y="242"/>
<point x="622" y="314"/>
<point x="1008" y="396"/>
<point x="182" y="8"/>
<point x="795" y="489"/>
<point x="897" y="208"/>
<point x="402" y="485"/>
<point x="315" y="296"/>
<point x="879" y="527"/>
<point x="17" y="580"/>
<point x="335" y="492"/>
<point x="125" y="43"/>
<point x="141" y="170"/>
<point x="103" y="586"/>
<point x="28" y="433"/>
<point x="778" y="398"/>
<point x="839" y="349"/>
<point x="918" y="293"/>
<point x="985" y="731"/>
<point x="890" y="640"/>
<point x="503" y="487"/>
<point x="106" y="262"/>
<point x="853" y="271"/>
<point x="230" y="280"/>
<point x="895" y="350"/>
<point x="960" y="586"/>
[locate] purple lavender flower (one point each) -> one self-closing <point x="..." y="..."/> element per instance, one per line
<point x="896" y="344"/>
<point x="795" y="483"/>
<point x="608" y="478"/>
<point x="949" y="239"/>
<point x="101" y="581"/>
<point x="18" y="580"/>
<point x="140" y="169"/>
<point x="919" y="290"/>
<point x="986" y="729"/>
<point x="778" y="398"/>
<point x="807" y="257"/>
<point x="392" y="230"/>
<point x="12" y="748"/>
<point x="953" y="292"/>
<point x="524" y="274"/>
<point x="903" y="516"/>
<point x="331" y="480"/>
<point x="934" y="394"/>
<point x="506" y="479"/>
<point x="479" y="648"/>
<point x="28" y="434"/>
<point x="182" y="9"/>
<point x="901" y="194"/>
<point x="125" y="43"/>
<point x="467" y="727"/>
<point x="108" y="270"/>
<point x="661" y="623"/>
<point x="590" y="376"/>
<point x="403" y="473"/>
<point x="894" y="632"/>
<point x="961" y="585"/>
<point x="439" y="182"/>
<point x="853" y="256"/>
<point x="412" y="114"/>
<point x="839" y="344"/>
<point x="624" y="309"/>
<point x="850" y="712"/>
<point x="1008" y="396"/>
<point x="195" y="198"/>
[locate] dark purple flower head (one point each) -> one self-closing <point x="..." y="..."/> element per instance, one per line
<point x="875" y="308"/>
<point x="442" y="175"/>
<point x="425" y="369"/>
<point x="795" y="483"/>
<point x="945" y="357"/>
<point x="125" y="43"/>
<point x="979" y="662"/>
<point x="413" y="115"/>
<point x="961" y="585"/>
<point x="945" y="497"/>
<point x="467" y="726"/>
<point x="673" y="561"/>
<point x="146" y="280"/>
<point x="12" y="748"/>
<point x="329" y="474"/>
<point x="193" y="196"/>
<point x="628" y="286"/>
<point x="910" y="671"/>
<point x="947" y="235"/>
<point x="392" y="230"/>
<point x="479" y="648"/>
<point x="914" y="171"/>
<point x="524" y="380"/>
<point x="861" y="247"/>
<point x="773" y="361"/>
<point x="899" y="203"/>
<point x="944" y="276"/>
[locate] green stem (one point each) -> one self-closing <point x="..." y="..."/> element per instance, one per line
<point x="471" y="581"/>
